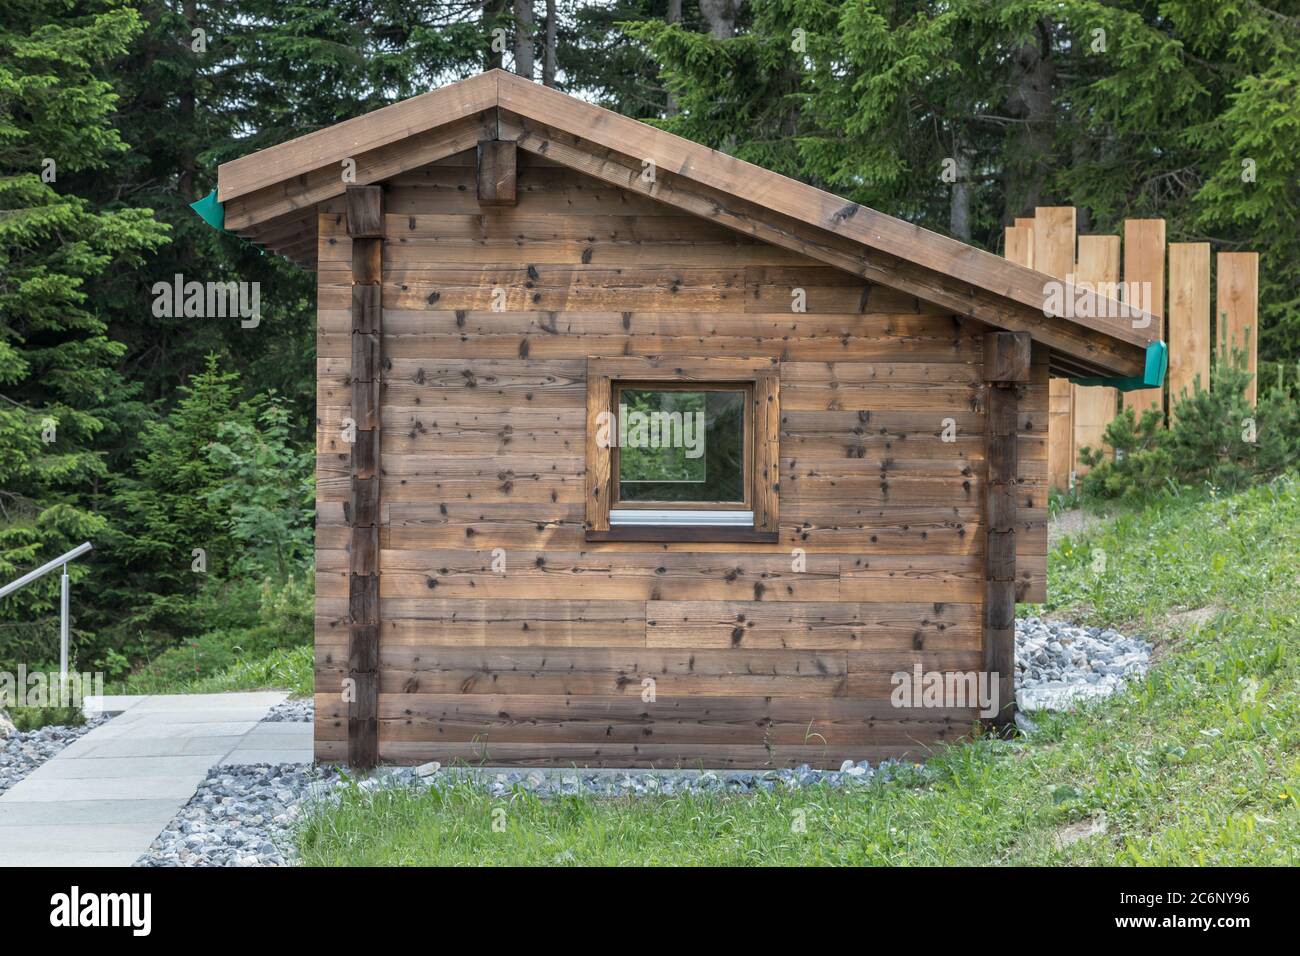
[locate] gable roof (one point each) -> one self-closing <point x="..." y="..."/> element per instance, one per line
<point x="270" y="197"/>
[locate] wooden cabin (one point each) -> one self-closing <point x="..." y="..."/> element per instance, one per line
<point x="502" y="269"/>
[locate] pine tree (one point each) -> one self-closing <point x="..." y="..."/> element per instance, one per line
<point x="62" y="398"/>
<point x="960" y="115"/>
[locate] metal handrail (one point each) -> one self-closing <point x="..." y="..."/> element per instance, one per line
<point x="60" y="562"/>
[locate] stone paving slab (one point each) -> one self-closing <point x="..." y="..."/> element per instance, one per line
<point x="38" y="813"/>
<point x="105" y="768"/>
<point x="102" y="800"/>
<point x="277" y="742"/>
<point x="83" y="837"/>
<point x="69" y="856"/>
<point x="110" y="703"/>
<point x="147" y="718"/>
<point x="154" y="746"/>
<point x="164" y="729"/>
<point x="277" y="735"/>
<point x="247" y="755"/>
<point x="208" y="703"/>
<point x="105" y="788"/>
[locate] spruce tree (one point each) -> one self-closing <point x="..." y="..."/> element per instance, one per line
<point x="63" y="399"/>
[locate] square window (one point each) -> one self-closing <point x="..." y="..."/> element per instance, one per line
<point x="682" y="445"/>
<point x="682" y="449"/>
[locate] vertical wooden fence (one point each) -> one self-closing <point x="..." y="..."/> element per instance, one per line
<point x="1135" y="268"/>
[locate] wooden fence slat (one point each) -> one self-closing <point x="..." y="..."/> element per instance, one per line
<point x="1054" y="232"/>
<point x="1060" y="433"/>
<point x="1144" y="262"/>
<point x="1094" y="406"/>
<point x="1020" y="245"/>
<point x="1189" y="319"/>
<point x="1237" y="309"/>
<point x="1054" y="241"/>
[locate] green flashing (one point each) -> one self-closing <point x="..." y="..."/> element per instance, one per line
<point x="211" y="211"/>
<point x="1153" y="377"/>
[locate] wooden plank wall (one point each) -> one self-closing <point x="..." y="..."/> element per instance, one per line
<point x="507" y="637"/>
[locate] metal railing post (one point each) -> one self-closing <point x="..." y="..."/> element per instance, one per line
<point x="63" y="629"/>
<point x="61" y="562"/>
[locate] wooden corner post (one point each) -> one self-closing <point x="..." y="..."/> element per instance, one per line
<point x="498" y="164"/>
<point x="1006" y="372"/>
<point x="366" y="228"/>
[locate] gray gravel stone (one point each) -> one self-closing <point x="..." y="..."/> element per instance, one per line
<point x="1059" y="665"/>
<point x="301" y="711"/>
<point x="241" y="815"/>
<point x="25" y="750"/>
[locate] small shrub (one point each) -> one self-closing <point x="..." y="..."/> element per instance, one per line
<point x="34" y="718"/>
<point x="1216" y="439"/>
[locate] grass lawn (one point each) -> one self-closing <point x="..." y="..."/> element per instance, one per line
<point x="288" y="669"/>
<point x="1199" y="764"/>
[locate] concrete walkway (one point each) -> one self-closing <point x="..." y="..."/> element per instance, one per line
<point x="102" y="799"/>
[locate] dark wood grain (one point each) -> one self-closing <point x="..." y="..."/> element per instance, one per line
<point x="1007" y="364"/>
<point x="497" y="173"/>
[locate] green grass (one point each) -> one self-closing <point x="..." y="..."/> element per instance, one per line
<point x="1199" y="764"/>
<point x="279" y="669"/>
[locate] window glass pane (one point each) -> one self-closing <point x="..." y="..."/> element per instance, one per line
<point x="681" y="445"/>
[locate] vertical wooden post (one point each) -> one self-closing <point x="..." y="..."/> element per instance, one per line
<point x="365" y="206"/>
<point x="1237" y="310"/>
<point x="1144" y="263"/>
<point x="498" y="165"/>
<point x="1006" y="372"/>
<point x="1054" y="254"/>
<point x="1095" y="405"/>
<point x="1189" y="319"/>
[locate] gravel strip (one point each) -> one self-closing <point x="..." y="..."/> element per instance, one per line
<point x="292" y="712"/>
<point x="245" y="815"/>
<point x="1059" y="665"/>
<point x="240" y="816"/>
<point x="549" y="782"/>
<point x="25" y="750"/>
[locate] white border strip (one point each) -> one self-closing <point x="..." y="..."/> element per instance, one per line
<point x="683" y="517"/>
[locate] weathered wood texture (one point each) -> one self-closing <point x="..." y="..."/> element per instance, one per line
<point x="497" y="168"/>
<point x="1237" y="310"/>
<point x="1144" y="277"/>
<point x="505" y="635"/>
<point x="365" y="226"/>
<point x="1054" y="255"/>
<point x="1007" y="372"/>
<point x="1189" y="320"/>
<point x="1093" y="406"/>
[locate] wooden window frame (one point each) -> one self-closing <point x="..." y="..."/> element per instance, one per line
<point x="761" y="376"/>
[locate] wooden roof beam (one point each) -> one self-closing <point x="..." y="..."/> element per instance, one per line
<point x="1097" y="349"/>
